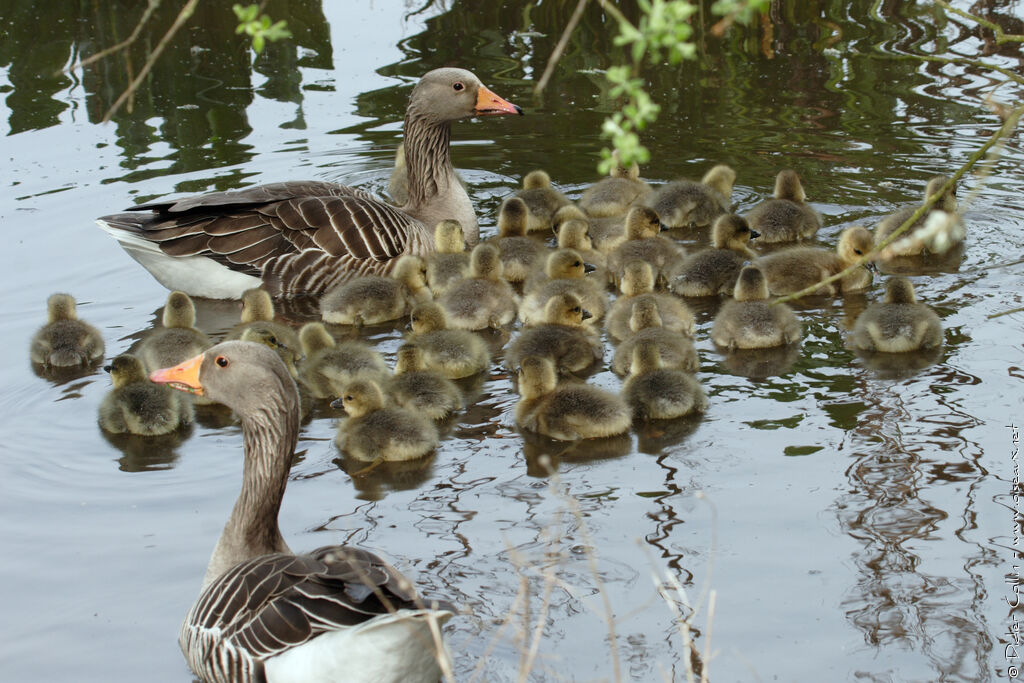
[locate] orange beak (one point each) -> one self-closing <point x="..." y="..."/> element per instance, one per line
<point x="489" y="103"/>
<point x="184" y="376"/>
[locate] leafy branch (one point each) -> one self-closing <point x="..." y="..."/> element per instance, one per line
<point x="260" y="28"/>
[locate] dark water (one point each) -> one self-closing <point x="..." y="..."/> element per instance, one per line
<point x="856" y="524"/>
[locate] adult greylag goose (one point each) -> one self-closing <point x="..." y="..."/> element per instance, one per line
<point x="65" y="341"/>
<point x="265" y="614"/>
<point x="305" y="237"/>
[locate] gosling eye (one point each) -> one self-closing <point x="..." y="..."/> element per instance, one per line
<point x="744" y="229"/>
<point x="576" y="264"/>
<point x="347" y="398"/>
<point x="457" y="86"/>
<point x="576" y="309"/>
<point x="221" y="361"/>
<point x="858" y="252"/>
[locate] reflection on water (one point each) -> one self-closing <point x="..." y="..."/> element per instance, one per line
<point x="886" y="540"/>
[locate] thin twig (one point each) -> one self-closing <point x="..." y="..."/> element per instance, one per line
<point x="996" y="29"/>
<point x="1008" y="126"/>
<point x="1002" y="313"/>
<point x="179" y="21"/>
<point x="153" y="4"/>
<point x="707" y="638"/>
<point x="556" y="54"/>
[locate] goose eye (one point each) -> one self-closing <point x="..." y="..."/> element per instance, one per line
<point x="858" y="252"/>
<point x="457" y="86"/>
<point x="221" y="361"/>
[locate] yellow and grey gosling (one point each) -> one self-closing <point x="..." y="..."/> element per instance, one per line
<point x="519" y="254"/>
<point x="605" y="233"/>
<point x="376" y="430"/>
<point x="568" y="411"/>
<point x="484" y="299"/>
<point x="612" y="196"/>
<point x="575" y="234"/>
<point x="375" y="299"/>
<point x="178" y="339"/>
<point x="643" y="243"/>
<point x="137" y="406"/>
<point x="656" y="392"/>
<point x="65" y="341"/>
<point x="898" y="323"/>
<point x="453" y="353"/>
<point x="398" y="183"/>
<point x="542" y="200"/>
<point x="676" y="350"/>
<point x="258" y="312"/>
<point x="563" y="337"/>
<point x="888" y="225"/>
<point x="260" y="333"/>
<point x="787" y="217"/>
<point x="329" y="365"/>
<point x="749" y="321"/>
<point x="450" y="262"/>
<point x="684" y="203"/>
<point x="417" y="388"/>
<point x="638" y="284"/>
<point x="566" y="273"/>
<point x="794" y="269"/>
<point x="714" y="271"/>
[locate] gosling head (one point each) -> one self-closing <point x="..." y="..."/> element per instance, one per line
<point x="409" y="358"/>
<point x="512" y="218"/>
<point x="565" y="309"/>
<point x="646" y="357"/>
<point x="411" y="271"/>
<point x="360" y="397"/>
<point x="485" y="262"/>
<point x="315" y="337"/>
<point x="566" y="264"/>
<point x="720" y="178"/>
<point x="449" y="237"/>
<point x="854" y="242"/>
<point x="732" y="232"/>
<point x="256" y="306"/>
<point x="61" y="307"/>
<point x="644" y="314"/>
<point x="751" y="285"/>
<point x="899" y="290"/>
<point x="632" y="172"/>
<point x="573" y="234"/>
<point x="179" y="311"/>
<point x="537" y="377"/>
<point x="947" y="202"/>
<point x="637" y="278"/>
<point x="536" y="180"/>
<point x="125" y="369"/>
<point x="787" y="186"/>
<point x="642" y="223"/>
<point x="427" y="317"/>
<point x="567" y="213"/>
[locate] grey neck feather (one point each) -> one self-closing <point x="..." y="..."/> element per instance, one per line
<point x="435" y="193"/>
<point x="270" y="435"/>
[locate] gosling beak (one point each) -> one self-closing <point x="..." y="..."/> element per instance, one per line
<point x="663" y="227"/>
<point x="489" y="103"/>
<point x="337" y="404"/>
<point x="587" y="314"/>
<point x="872" y="266"/>
<point x="589" y="267"/>
<point x="184" y="376"/>
<point x="754" y="234"/>
<point x="108" y="368"/>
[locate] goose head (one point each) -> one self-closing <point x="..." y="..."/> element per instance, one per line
<point x="125" y="369"/>
<point x="566" y="213"/>
<point x="427" y="317"/>
<point x="537" y="377"/>
<point x="642" y="223"/>
<point x="512" y="217"/>
<point x="565" y="309"/>
<point x="449" y="237"/>
<point x="637" y="278"/>
<point x="411" y="271"/>
<point x="631" y="172"/>
<point x="485" y="262"/>
<point x="732" y="232"/>
<point x="179" y="311"/>
<point x="449" y="94"/>
<point x="245" y="376"/>
<point x="314" y="337"/>
<point x="899" y="290"/>
<point x="61" y="307"/>
<point x="266" y="337"/>
<point x="751" y="285"/>
<point x="257" y="305"/>
<point x="566" y="264"/>
<point x="788" y="186"/>
<point x="536" y="180"/>
<point x="360" y="397"/>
